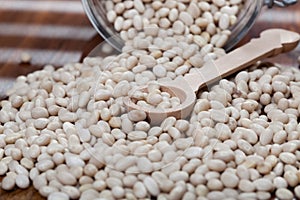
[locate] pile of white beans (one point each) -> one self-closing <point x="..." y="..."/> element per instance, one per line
<point x="67" y="132"/>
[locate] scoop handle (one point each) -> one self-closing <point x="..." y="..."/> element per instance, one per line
<point x="270" y="43"/>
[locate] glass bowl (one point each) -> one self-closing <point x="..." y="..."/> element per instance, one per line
<point x="95" y="10"/>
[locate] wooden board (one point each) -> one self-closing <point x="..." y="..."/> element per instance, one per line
<point x="58" y="31"/>
<point x="52" y="32"/>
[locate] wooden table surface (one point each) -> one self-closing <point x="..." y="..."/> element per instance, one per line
<point x="58" y="31"/>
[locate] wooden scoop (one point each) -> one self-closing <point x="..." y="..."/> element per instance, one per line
<point x="270" y="43"/>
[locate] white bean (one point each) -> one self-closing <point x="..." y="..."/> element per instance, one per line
<point x="283" y="193"/>
<point x="58" y="195"/>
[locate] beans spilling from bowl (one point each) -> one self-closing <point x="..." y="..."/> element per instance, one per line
<point x="205" y="21"/>
<point x="67" y="132"/>
<point x="174" y="35"/>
